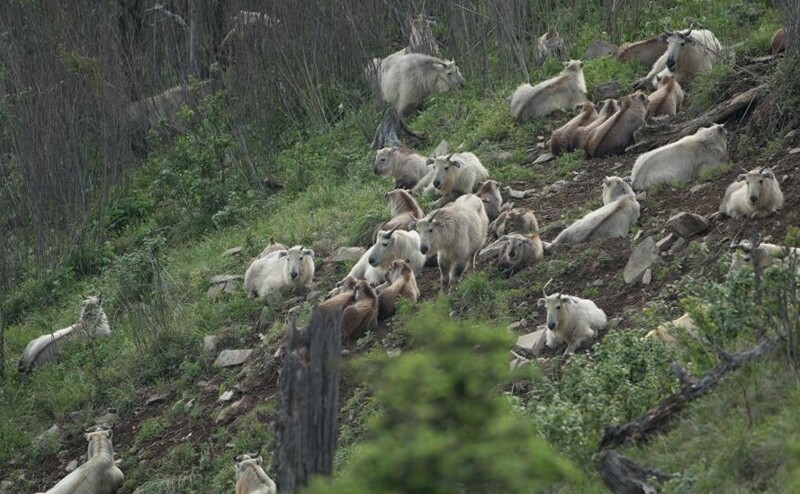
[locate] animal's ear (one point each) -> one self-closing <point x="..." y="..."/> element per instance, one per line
<point x="768" y="174"/>
<point x="565" y="299"/>
<point x="741" y="177"/>
<point x="541" y="302"/>
<point x="109" y="432"/>
<point x="99" y="299"/>
<point x="627" y="179"/>
<point x="308" y="252"/>
<point x="430" y="161"/>
<point x="86" y="435"/>
<point x="457" y="163"/>
<point x="412" y="226"/>
<point x="450" y="63"/>
<point x="283" y="253"/>
<point x="566" y="64"/>
<point x="439" y="65"/>
<point x="658" y="78"/>
<point x="580" y="62"/>
<point x="605" y="180"/>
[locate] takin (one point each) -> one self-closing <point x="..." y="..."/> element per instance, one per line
<point x="91" y="323"/>
<point x="284" y="269"/>
<point x="620" y="210"/>
<point x="571" y="320"/>
<point x="489" y="192"/>
<point x="608" y="108"/>
<point x="455" y="233"/>
<point x="251" y="478"/>
<point x="765" y="254"/>
<point x="99" y="475"/>
<point x="403" y="208"/>
<point x="518" y="220"/>
<point x="520" y="252"/>
<point x="667" y="99"/>
<point x="755" y="194"/>
<point x="689" y="52"/>
<point x="645" y="52"/>
<point x="563" y="92"/>
<point x="414" y="77"/>
<point x="400" y="282"/>
<point x="362" y="315"/>
<point x="389" y="245"/>
<point x="404" y="165"/>
<point x="682" y="160"/>
<point x="453" y="175"/>
<point x="564" y="139"/>
<point x="616" y="133"/>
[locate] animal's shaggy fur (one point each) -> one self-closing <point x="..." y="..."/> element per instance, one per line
<point x="400" y="282"/>
<point x="389" y="245"/>
<point x="489" y="192"/>
<point x="743" y="254"/>
<point x="616" y="133"/>
<point x="520" y="252"/>
<point x="413" y="77"/>
<point x="518" y="220"/>
<point x="453" y="175"/>
<point x="755" y="194"/>
<point x="404" y="165"/>
<point x="667" y="99"/>
<point x="251" y="478"/>
<point x="682" y="160"/>
<point x="778" y="42"/>
<point x="91" y="323"/>
<point x="455" y="233"/>
<point x="362" y="315"/>
<point x="572" y="320"/>
<point x="564" y="139"/>
<point x="607" y="110"/>
<point x="99" y="475"/>
<point x="689" y="52"/>
<point x="646" y="52"/>
<point x="280" y="270"/>
<point x="403" y="208"/>
<point x="563" y="92"/>
<point x="614" y="219"/>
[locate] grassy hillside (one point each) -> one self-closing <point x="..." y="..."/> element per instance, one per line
<point x="184" y="208"/>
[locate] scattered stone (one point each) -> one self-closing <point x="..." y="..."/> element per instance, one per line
<point x="614" y="322"/>
<point x="647" y="277"/>
<point x="666" y="242"/>
<point x="541" y="145"/>
<point x="189" y="404"/>
<point x="394" y="352"/>
<point x="226" y="396"/>
<point x="224" y="278"/>
<point x="226" y="413"/>
<point x="697" y="188"/>
<point x="497" y="156"/>
<point x="794" y="151"/>
<point x="533" y="341"/>
<point x="109" y="418"/>
<point x="344" y="254"/>
<point x="678" y="246"/>
<point x="544" y="158"/>
<point x="210" y="342"/>
<point x="231" y="358"/>
<point x="599" y="48"/>
<point x="687" y="225"/>
<point x="202" y="384"/>
<point x="556" y="187"/>
<point x="227" y="283"/>
<point x="71" y="466"/>
<point x="642" y="257"/>
<point x="156" y="398"/>
<point x="539" y="138"/>
<point x="791" y="134"/>
<point x="235" y="251"/>
<point x="638" y="235"/>
<point x="6" y="486"/>
<point x="598" y="282"/>
<point x="518" y="362"/>
<point x="641" y="196"/>
<point x="609" y="90"/>
<point x="51" y="434"/>
<point x="214" y="291"/>
<point x="520" y="194"/>
<point x="521" y="324"/>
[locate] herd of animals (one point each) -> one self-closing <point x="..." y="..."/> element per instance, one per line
<point x="470" y="213"/>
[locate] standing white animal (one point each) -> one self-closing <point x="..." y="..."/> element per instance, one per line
<point x="620" y="210"/>
<point x="251" y="478"/>
<point x="389" y="246"/>
<point x="755" y="194"/>
<point x="682" y="160"/>
<point x="280" y="270"/>
<point x="453" y="175"/>
<point x="689" y="52"/>
<point x="404" y="165"/>
<point x="563" y="92"/>
<point x="99" y="475"/>
<point x="571" y="319"/>
<point x="377" y="66"/>
<point x="455" y="233"/>
<point x="414" y="77"/>
<point x="91" y="323"/>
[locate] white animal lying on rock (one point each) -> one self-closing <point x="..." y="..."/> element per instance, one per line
<point x="99" y="475"/>
<point x="92" y="322"/>
<point x="280" y="270"/>
<point x="571" y="319"/>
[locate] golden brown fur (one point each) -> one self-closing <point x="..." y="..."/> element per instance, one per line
<point x="646" y="51"/>
<point x="564" y="138"/>
<point x="489" y="193"/>
<point x="403" y="208"/>
<point x="616" y="133"/>
<point x="517" y="220"/>
<point x="400" y="282"/>
<point x="667" y="99"/>
<point x="778" y="42"/>
<point x="607" y="109"/>
<point x="362" y="315"/>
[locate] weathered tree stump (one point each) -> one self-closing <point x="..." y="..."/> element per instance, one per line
<point x="623" y="476"/>
<point x="309" y="401"/>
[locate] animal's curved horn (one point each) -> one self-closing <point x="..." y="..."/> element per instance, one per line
<point x="392" y="231"/>
<point x="449" y="156"/>
<point x="435" y="213"/>
<point x="545" y="286"/>
<point x="667" y="31"/>
<point x="735" y="242"/>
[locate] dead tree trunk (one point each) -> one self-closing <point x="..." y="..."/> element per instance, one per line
<point x="386" y="134"/>
<point x="623" y="476"/>
<point x="309" y="401"/>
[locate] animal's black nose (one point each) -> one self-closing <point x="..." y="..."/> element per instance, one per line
<point x="671" y="64"/>
<point x="753" y="199"/>
<point x="437" y="184"/>
<point x="551" y="325"/>
<point x="423" y="249"/>
<point x="293" y="274"/>
<point x="371" y="261"/>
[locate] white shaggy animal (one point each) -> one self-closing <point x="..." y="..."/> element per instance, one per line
<point x="685" y="323"/>
<point x="453" y="175"/>
<point x="455" y="233"/>
<point x="689" y="52"/>
<point x="400" y="282"/>
<point x="667" y="99"/>
<point x="273" y="246"/>
<point x="389" y="245"/>
<point x="377" y="66"/>
<point x="404" y="165"/>
<point x="99" y="475"/>
<point x="755" y="194"/>
<point x="682" y="160"/>
<point x="743" y="254"/>
<point x="251" y="478"/>
<point x="620" y="210"/>
<point x="280" y="270"/>
<point x="572" y="320"/>
<point x="91" y="323"/>
<point x="563" y="92"/>
<point x="413" y="77"/>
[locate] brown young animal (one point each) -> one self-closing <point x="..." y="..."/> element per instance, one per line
<point x="400" y="282"/>
<point x="778" y="42"/>
<point x="645" y="52"/>
<point x="362" y="315"/>
<point x="667" y="99"/>
<point x="607" y="109"/>
<point x="403" y="208"/>
<point x="489" y="193"/>
<point x="517" y="220"/>
<point x="616" y="133"/>
<point x="564" y="138"/>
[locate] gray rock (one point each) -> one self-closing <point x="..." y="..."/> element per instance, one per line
<point x="521" y="324"/>
<point x="677" y="246"/>
<point x="517" y="362"/>
<point x="794" y="151"/>
<point x="215" y="291"/>
<point x="687" y="225"/>
<point x="225" y="397"/>
<point x="156" y="398"/>
<point x="666" y="242"/>
<point x="544" y="158"/>
<point x="556" y="187"/>
<point x="344" y="254"/>
<point x="51" y="434"/>
<point x="235" y="251"/>
<point x="231" y="358"/>
<point x="609" y="90"/>
<point x="499" y="155"/>
<point x="533" y="341"/>
<point x="231" y="286"/>
<point x="224" y="278"/>
<point x="226" y="413"/>
<point x="520" y="194"/>
<point x="699" y="187"/>
<point x="647" y="277"/>
<point x="71" y="466"/>
<point x="599" y="48"/>
<point x="210" y="342"/>
<point x="642" y="257"/>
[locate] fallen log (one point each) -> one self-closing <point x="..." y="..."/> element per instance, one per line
<point x="623" y="476"/>
<point x="653" y="420"/>
<point x="653" y="135"/>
